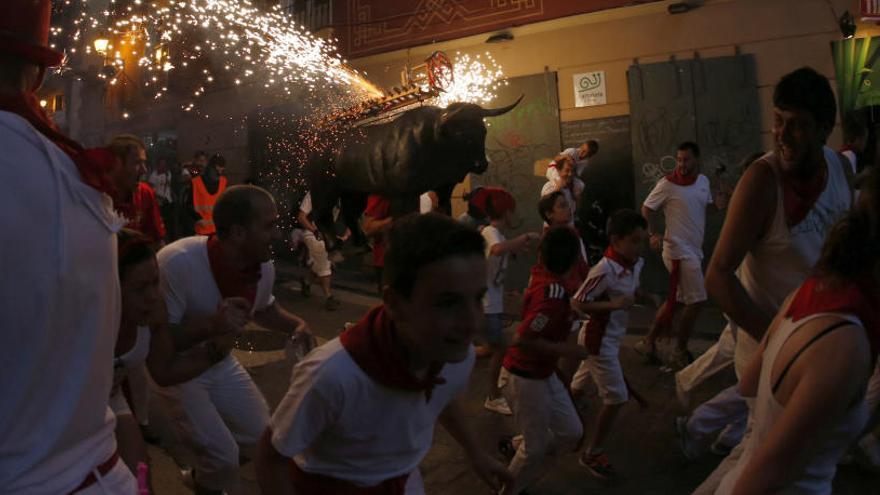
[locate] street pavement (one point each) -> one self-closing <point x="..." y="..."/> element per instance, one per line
<point x="642" y="447"/>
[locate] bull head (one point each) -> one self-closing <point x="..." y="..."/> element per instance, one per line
<point x="462" y="128"/>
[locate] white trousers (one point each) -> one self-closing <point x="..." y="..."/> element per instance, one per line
<point x="546" y="418"/>
<point x="319" y="262"/>
<point x="117" y="481"/>
<point x="727" y="411"/>
<point x="715" y="359"/>
<point x="216" y="415"/>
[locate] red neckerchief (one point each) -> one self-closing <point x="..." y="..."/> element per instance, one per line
<point x="374" y="345"/>
<point x="317" y="484"/>
<point x="799" y="197"/>
<point x="618" y="258"/>
<point x="94" y="164"/>
<point x="232" y="282"/>
<point x="861" y="299"/>
<point x="676" y="177"/>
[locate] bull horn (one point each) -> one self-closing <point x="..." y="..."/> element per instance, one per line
<point x="494" y="112"/>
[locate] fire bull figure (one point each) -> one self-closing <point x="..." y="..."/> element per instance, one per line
<point x="423" y="149"/>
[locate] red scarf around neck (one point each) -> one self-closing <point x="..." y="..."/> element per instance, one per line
<point x="231" y="281"/>
<point x="94" y="164"/>
<point x="374" y="345"/>
<point x="676" y="177"/>
<point x="861" y="299"/>
<point x="799" y="197"/>
<point x="618" y="258"/>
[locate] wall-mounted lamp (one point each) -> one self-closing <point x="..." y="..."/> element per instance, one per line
<point x="500" y="37"/>
<point x="101" y="45"/>
<point x="43" y="103"/>
<point x="847" y="25"/>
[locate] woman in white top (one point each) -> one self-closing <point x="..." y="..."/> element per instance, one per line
<point x="145" y="338"/>
<point x="567" y="182"/>
<point x="809" y="376"/>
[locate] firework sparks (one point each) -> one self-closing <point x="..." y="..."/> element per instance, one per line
<point x="474" y="80"/>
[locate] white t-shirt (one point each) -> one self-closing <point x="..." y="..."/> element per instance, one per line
<point x="851" y="156"/>
<point x="161" y="183"/>
<point x="305" y="206"/>
<point x="493" y="302"/>
<point x="579" y="165"/>
<point x="611" y="279"/>
<point x="426" y="204"/>
<point x="189" y="287"/>
<point x="59" y="315"/>
<point x="337" y="421"/>
<point x="684" y="208"/>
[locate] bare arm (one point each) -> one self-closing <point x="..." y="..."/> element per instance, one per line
<point x="274" y="317"/>
<point x="552" y="349"/>
<point x="167" y="367"/>
<point x="231" y="316"/>
<point x="490" y="471"/>
<point x="653" y="219"/>
<point x="590" y="307"/>
<point x="516" y="244"/>
<point x="272" y="468"/>
<point x="821" y="396"/>
<point x="373" y="227"/>
<point x="303" y="219"/>
<point x="751" y="210"/>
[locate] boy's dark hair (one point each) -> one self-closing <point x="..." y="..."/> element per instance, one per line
<point x="806" y="89"/>
<point x="199" y="154"/>
<point x="236" y="206"/>
<point x="559" y="249"/>
<point x="545" y="204"/>
<point x="690" y="146"/>
<point x="132" y="248"/>
<point x="853" y="128"/>
<point x="419" y="240"/>
<point x="623" y="222"/>
<point x="593" y="145"/>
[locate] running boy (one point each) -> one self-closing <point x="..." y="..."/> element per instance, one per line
<point x="542" y="408"/>
<point x="610" y="289"/>
<point x="500" y="207"/>
<point x="360" y="412"/>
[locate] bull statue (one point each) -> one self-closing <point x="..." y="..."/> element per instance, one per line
<point x="423" y="149"/>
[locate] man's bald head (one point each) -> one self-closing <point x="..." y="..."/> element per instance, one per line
<point x="239" y="205"/>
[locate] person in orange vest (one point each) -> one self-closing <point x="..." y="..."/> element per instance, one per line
<point x="206" y="188"/>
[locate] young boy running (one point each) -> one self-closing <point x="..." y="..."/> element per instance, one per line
<point x="610" y="289"/>
<point x="500" y="208"/>
<point x="542" y="408"/>
<point x="360" y="412"/>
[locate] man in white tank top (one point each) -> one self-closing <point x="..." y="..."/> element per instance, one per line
<point x="774" y="234"/>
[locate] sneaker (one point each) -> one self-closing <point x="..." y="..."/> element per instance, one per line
<point x="688" y="445"/>
<point x="506" y="448"/>
<point x="683" y="396"/>
<point x="719" y="448"/>
<point x="498" y="405"/>
<point x="597" y="464"/>
<point x="331" y="304"/>
<point x="648" y="351"/>
<point x="680" y="359"/>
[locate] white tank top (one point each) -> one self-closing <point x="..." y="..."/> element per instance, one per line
<point x="785" y="257"/>
<point x="826" y="446"/>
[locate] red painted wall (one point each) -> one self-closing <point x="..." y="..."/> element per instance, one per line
<point x="366" y="27"/>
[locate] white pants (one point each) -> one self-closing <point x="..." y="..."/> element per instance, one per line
<point x="727" y="411"/>
<point x="216" y="414"/>
<point x="715" y="359"/>
<point x="117" y="481"/>
<point x="545" y="416"/>
<point x="319" y="262"/>
<point x="691" y="287"/>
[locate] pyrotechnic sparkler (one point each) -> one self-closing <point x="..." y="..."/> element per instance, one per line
<point x="475" y="80"/>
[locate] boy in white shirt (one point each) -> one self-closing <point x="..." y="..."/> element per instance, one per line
<point x="682" y="196"/>
<point x="500" y="208"/>
<point x="360" y="412"/>
<point x="610" y="290"/>
<point x="581" y="157"/>
<point x="566" y="181"/>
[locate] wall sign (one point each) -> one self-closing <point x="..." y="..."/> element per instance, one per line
<point x="589" y="89"/>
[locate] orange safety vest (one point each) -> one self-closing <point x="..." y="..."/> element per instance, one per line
<point x="203" y="203"/>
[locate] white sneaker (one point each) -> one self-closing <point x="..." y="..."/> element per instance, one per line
<point x="498" y="405"/>
<point x="683" y="396"/>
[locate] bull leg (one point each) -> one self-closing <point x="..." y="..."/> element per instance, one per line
<point x="444" y="198"/>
